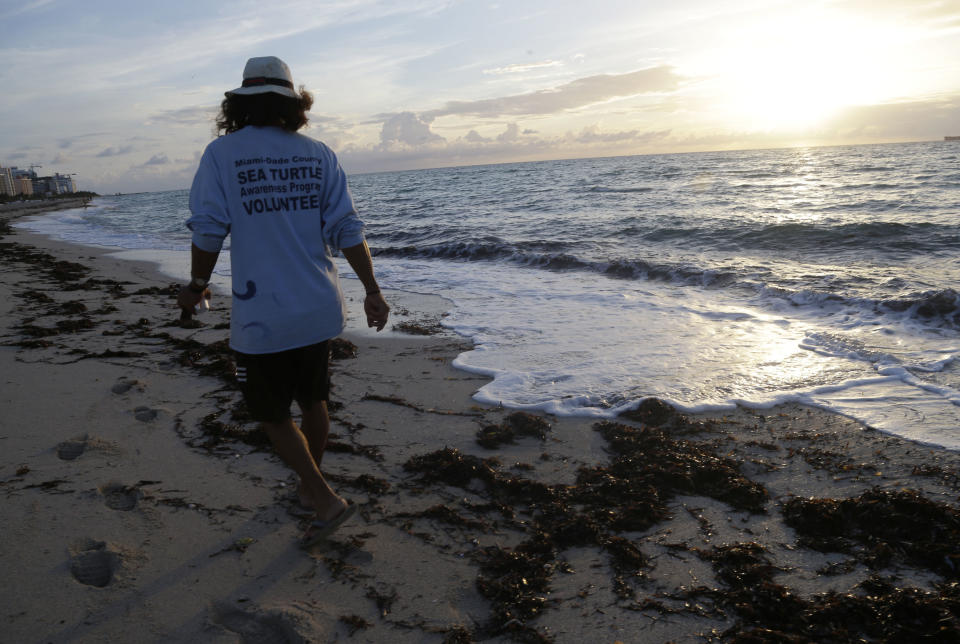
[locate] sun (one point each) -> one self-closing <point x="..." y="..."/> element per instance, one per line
<point x="795" y="71"/>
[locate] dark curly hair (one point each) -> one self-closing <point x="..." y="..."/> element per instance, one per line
<point x="239" y="110"/>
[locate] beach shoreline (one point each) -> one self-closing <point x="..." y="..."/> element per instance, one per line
<point x="141" y="505"/>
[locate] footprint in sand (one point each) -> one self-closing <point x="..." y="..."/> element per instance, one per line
<point x="253" y="628"/>
<point x="71" y="449"/>
<point x="124" y="384"/>
<point x="279" y="625"/>
<point x="93" y="563"/>
<point x="120" y="497"/>
<point x="145" y="414"/>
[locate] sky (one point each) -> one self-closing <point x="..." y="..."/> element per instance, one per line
<point x="124" y="94"/>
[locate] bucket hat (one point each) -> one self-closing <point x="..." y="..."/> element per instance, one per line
<point x="266" y="74"/>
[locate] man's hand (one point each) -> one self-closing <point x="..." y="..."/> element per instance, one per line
<point x="188" y="299"/>
<point x="377" y="310"/>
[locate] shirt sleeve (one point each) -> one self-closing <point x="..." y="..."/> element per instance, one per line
<point x="342" y="228"/>
<point x="210" y="218"/>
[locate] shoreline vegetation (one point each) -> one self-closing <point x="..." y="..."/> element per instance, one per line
<point x="11" y="207"/>
<point x="142" y="504"/>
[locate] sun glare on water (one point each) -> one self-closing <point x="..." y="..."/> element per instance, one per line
<point x="798" y="70"/>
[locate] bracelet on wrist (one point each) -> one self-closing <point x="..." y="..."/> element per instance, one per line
<point x="373" y="292"/>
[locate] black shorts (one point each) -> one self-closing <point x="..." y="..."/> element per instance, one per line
<point x="271" y="381"/>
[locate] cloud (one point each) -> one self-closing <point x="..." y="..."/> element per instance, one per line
<point x="113" y="152"/>
<point x="510" y="134"/>
<point x="407" y="128"/>
<point x="916" y="120"/>
<point x="156" y="159"/>
<point x="192" y="115"/>
<point x="520" y="69"/>
<point x="155" y="48"/>
<point x="68" y="141"/>
<point x="332" y="130"/>
<point x="60" y="158"/>
<point x="922" y="120"/>
<point x="509" y="146"/>
<point x="593" y="134"/>
<point x="575" y="94"/>
<point x="25" y="7"/>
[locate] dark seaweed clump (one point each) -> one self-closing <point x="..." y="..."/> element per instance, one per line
<point x="881" y="527"/>
<point x="652" y="411"/>
<point x="649" y="457"/>
<point x="419" y="328"/>
<point x="451" y="466"/>
<point x="647" y="469"/>
<point x="878" y="610"/>
<point x="354" y="623"/>
<point x="516" y="582"/>
<point x="516" y="424"/>
<point x="341" y="349"/>
<point x="214" y="360"/>
<point x="216" y="434"/>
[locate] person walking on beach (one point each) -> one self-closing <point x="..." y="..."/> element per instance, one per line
<point x="283" y="199"/>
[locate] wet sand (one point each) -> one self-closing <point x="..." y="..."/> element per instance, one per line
<point x="141" y="504"/>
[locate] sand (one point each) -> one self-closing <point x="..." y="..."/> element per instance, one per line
<point x="141" y="505"/>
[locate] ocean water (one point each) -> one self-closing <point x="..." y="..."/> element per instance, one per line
<point x="826" y="276"/>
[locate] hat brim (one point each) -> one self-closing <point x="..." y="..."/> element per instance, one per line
<point x="263" y="89"/>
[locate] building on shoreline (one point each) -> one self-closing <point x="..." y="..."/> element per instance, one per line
<point x="7" y="186"/>
<point x="23" y="185"/>
<point x="15" y="182"/>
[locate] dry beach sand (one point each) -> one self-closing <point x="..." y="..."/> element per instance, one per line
<point x="139" y="504"/>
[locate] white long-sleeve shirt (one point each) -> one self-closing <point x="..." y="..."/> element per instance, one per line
<point x="283" y="198"/>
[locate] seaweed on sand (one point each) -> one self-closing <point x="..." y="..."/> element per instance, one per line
<point x="341" y="349"/>
<point x="878" y="611"/>
<point x="66" y="274"/>
<point x="214" y="359"/>
<point x="652" y="412"/>
<point x="881" y="527"/>
<point x="451" y="466"/>
<point x="630" y="493"/>
<point x="426" y="327"/>
<point x="516" y="424"/>
<point x="354" y="623"/>
<point x="216" y="433"/>
<point x="517" y="580"/>
<point x="368" y="483"/>
<point x="650" y="456"/>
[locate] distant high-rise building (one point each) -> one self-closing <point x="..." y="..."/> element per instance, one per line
<point x="64" y="184"/>
<point x="14" y="181"/>
<point x="23" y="185"/>
<point x="58" y="184"/>
<point x="7" y="186"/>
